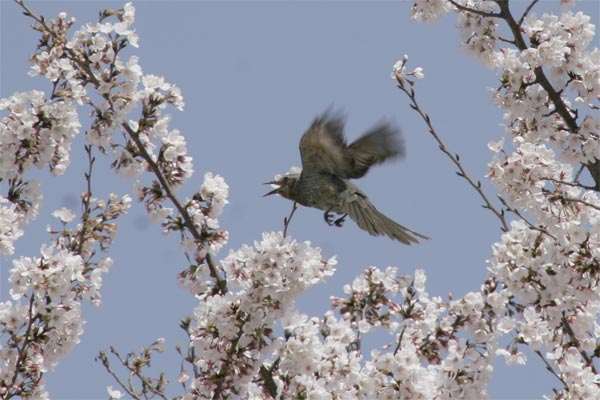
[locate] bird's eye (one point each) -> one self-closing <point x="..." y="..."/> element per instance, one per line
<point x="289" y="182"/>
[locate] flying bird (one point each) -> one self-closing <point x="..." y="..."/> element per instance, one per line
<point x="328" y="164"/>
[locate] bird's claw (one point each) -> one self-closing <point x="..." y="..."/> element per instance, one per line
<point x="328" y="218"/>
<point x="340" y="221"/>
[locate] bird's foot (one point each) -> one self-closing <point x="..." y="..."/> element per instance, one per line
<point x="340" y="221"/>
<point x="332" y="221"/>
<point x="329" y="218"/>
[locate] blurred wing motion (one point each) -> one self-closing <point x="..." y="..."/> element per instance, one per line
<point x="366" y="216"/>
<point x="323" y="147"/>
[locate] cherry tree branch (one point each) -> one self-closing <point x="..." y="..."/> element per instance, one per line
<point x="540" y="77"/>
<point x="454" y="158"/>
<point x="135" y="363"/>
<point x="519" y="42"/>
<point x="221" y="283"/>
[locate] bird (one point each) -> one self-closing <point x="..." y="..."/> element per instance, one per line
<point x="328" y="164"/>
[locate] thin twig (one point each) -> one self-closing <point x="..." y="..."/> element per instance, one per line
<point x="574" y="184"/>
<point x="578" y="174"/>
<point x="515" y="211"/>
<point x="473" y="11"/>
<point x="399" y="344"/>
<point x="580" y="201"/>
<point x="454" y="158"/>
<point x="286" y="221"/>
<point x="549" y="367"/>
<point x="526" y="12"/>
<point x="104" y="360"/>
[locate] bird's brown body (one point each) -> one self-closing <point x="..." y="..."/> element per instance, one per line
<point x="328" y="164"/>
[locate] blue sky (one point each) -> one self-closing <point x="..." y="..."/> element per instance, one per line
<point x="253" y="76"/>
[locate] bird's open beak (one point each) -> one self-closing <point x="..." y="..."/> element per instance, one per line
<point x="274" y="191"/>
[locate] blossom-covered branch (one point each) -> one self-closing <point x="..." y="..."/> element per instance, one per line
<point x="402" y="77"/>
<point x="546" y="263"/>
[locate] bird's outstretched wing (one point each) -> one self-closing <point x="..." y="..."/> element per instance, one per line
<point x="366" y="216"/>
<point x="374" y="147"/>
<point x="323" y="147"/>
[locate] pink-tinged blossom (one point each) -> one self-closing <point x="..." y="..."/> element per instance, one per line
<point x="64" y="214"/>
<point x="430" y="10"/>
<point x="113" y="393"/>
<point x="265" y="281"/>
<point x="9" y="227"/>
<point x="400" y="73"/>
<point x="47" y="127"/>
<point x="215" y="190"/>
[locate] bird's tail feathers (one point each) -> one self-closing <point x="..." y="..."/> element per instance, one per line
<point x="370" y="219"/>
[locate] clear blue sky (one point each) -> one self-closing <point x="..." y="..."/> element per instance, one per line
<point x="253" y="76"/>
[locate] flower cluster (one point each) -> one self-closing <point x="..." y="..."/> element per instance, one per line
<point x="9" y="226"/>
<point x="400" y="74"/>
<point x="431" y="355"/>
<point x="429" y="10"/>
<point x="36" y="132"/>
<point x="317" y="359"/>
<point x="233" y="331"/>
<point x="91" y="57"/>
<point x="201" y="214"/>
<point x="321" y="358"/>
<point x="478" y="30"/>
<point x="43" y="321"/>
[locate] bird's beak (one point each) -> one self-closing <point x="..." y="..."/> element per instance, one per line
<point x="274" y="191"/>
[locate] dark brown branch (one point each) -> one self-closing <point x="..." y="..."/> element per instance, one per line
<point x="541" y="78"/>
<point x="269" y="382"/>
<point x="189" y="223"/>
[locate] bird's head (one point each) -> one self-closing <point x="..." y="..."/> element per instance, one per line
<point x="283" y="184"/>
